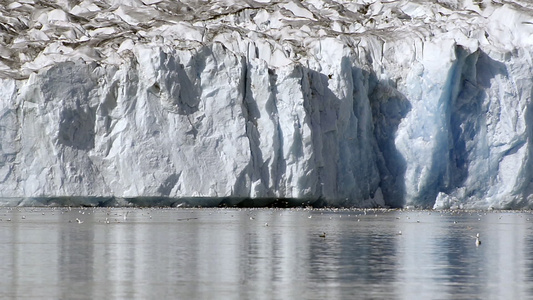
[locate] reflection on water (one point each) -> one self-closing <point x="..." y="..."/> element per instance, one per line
<point x="263" y="254"/>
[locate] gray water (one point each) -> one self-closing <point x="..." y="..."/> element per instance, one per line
<point x="264" y="254"/>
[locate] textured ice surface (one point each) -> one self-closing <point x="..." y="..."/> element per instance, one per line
<point x="344" y="103"/>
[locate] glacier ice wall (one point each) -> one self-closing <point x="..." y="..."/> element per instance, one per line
<point x="343" y="103"/>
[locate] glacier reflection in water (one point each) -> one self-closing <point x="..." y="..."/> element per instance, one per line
<point x="263" y="254"/>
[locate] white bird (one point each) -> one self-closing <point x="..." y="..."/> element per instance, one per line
<point x="478" y="241"/>
<point x="79" y="221"/>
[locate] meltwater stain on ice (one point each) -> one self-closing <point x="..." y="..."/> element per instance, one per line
<point x="76" y="130"/>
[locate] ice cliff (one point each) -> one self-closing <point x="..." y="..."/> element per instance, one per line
<point x="343" y="103"/>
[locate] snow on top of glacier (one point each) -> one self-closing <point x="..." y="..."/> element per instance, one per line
<point x="37" y="34"/>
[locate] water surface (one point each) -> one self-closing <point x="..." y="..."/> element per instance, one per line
<point x="123" y="253"/>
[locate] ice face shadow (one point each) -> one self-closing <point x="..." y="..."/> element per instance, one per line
<point x="389" y="107"/>
<point x="468" y="116"/>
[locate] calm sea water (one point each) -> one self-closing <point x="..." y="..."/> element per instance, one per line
<point x="111" y="253"/>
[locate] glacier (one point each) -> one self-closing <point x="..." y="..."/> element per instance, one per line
<point x="321" y="102"/>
